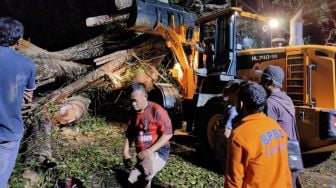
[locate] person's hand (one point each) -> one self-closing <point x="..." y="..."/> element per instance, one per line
<point x="144" y="154"/>
<point x="128" y="163"/>
<point x="28" y="96"/>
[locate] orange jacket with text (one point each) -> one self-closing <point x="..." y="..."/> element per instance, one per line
<point x="257" y="154"/>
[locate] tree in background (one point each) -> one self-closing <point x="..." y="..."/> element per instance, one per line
<point x="319" y="16"/>
<point x="59" y="24"/>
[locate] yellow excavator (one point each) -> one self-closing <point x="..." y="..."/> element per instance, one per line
<point x="309" y="69"/>
<point x="233" y="44"/>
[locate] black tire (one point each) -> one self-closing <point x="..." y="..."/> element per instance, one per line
<point x="313" y="159"/>
<point x="168" y="97"/>
<point x="208" y="133"/>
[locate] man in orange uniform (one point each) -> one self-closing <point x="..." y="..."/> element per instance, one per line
<point x="257" y="152"/>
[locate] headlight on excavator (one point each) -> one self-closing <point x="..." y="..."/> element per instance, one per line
<point x="327" y="124"/>
<point x="274" y="23"/>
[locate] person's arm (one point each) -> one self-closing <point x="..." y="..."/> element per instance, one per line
<point x="230" y="117"/>
<point x="126" y="153"/>
<point x="235" y="168"/>
<point x="129" y="135"/>
<point x="127" y="158"/>
<point x="30" y="86"/>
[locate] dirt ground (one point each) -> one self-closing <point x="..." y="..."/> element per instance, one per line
<point x="320" y="169"/>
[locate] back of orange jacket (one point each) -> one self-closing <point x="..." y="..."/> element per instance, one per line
<point x="257" y="154"/>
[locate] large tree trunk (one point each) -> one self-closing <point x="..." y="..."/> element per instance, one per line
<point x="112" y="67"/>
<point x="50" y="66"/>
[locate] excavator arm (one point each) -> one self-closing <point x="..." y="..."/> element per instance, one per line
<point x="171" y="22"/>
<point x="183" y="71"/>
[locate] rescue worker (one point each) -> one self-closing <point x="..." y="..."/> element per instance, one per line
<point x="280" y="107"/>
<point x="230" y="97"/>
<point x="226" y="123"/>
<point x="257" y="147"/>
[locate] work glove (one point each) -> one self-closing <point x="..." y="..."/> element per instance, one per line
<point x="128" y="163"/>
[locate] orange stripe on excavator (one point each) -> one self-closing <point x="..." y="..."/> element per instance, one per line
<point x="175" y="38"/>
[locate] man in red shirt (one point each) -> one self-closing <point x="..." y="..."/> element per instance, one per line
<point x="257" y="151"/>
<point x="151" y="129"/>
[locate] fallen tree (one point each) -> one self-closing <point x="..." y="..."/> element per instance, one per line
<point x="62" y="107"/>
<point x="103" y="61"/>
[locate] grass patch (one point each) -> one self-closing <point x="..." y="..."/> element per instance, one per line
<point x="180" y="173"/>
<point x="333" y="156"/>
<point x="91" y="151"/>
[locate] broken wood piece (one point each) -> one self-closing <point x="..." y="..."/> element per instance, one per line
<point x="111" y="57"/>
<point x="44" y="82"/>
<point x="122" y="4"/>
<point x="87" y="79"/>
<point x="31" y="177"/>
<point x="106" y="19"/>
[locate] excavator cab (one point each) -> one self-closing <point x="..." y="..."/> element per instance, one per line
<point x="225" y="33"/>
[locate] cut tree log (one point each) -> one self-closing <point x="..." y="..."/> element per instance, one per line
<point x="39" y="149"/>
<point x="72" y="110"/>
<point x="106" y="19"/>
<point x="92" y="48"/>
<point x="50" y="66"/>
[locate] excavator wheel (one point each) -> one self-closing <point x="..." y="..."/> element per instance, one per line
<point x="213" y="143"/>
<point x="168" y="97"/>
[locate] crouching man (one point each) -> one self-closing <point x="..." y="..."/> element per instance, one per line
<point x="151" y="129"/>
